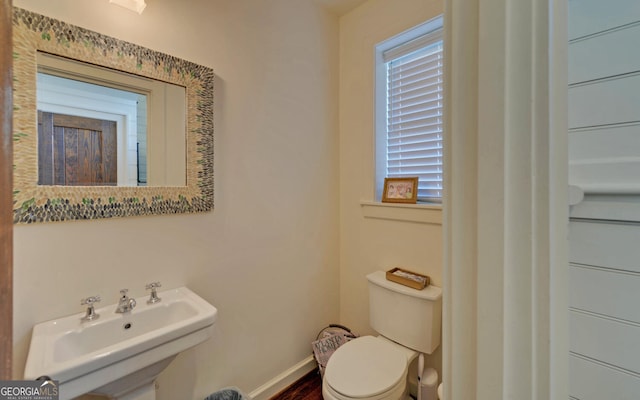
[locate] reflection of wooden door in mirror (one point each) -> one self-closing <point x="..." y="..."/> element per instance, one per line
<point x="76" y="151"/>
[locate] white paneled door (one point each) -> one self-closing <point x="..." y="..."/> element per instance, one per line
<point x="604" y="234"/>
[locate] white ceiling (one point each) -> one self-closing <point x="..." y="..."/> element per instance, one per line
<point x="341" y="7"/>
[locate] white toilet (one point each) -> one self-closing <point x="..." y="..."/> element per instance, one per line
<point x="375" y="368"/>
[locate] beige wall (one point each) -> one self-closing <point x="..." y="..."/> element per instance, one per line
<point x="267" y="257"/>
<point x="368" y="244"/>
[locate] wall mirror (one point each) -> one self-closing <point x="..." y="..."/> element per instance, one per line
<point x="105" y="128"/>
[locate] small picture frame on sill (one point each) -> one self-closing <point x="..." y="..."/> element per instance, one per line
<point x="400" y="190"/>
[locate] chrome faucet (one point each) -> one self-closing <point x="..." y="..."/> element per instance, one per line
<point x="126" y="303"/>
<point x="91" y="312"/>
<point x="153" y="298"/>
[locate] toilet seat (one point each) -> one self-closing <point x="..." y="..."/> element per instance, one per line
<point x="366" y="368"/>
<point x="396" y="393"/>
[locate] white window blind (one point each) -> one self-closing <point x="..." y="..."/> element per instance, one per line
<point x="414" y="112"/>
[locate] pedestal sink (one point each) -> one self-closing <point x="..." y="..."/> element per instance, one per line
<point x="119" y="355"/>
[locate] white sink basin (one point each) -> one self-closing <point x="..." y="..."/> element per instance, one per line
<point x="118" y="354"/>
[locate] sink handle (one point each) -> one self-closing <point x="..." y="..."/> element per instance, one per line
<point x="91" y="312"/>
<point x="153" y="286"/>
<point x="90" y="300"/>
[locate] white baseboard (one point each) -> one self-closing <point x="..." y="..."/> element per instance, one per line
<point x="285" y="379"/>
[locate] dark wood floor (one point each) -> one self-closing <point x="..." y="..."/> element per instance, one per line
<point x="309" y="387"/>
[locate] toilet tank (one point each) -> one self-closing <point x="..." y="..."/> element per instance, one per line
<point x="405" y="315"/>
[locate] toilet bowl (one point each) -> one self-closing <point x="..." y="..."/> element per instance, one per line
<point x="368" y="368"/>
<point x="440" y="395"/>
<point x="376" y="367"/>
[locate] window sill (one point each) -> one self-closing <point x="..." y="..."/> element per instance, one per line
<point x="420" y="213"/>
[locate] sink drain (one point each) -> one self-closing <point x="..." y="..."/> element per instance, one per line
<point x="127" y="325"/>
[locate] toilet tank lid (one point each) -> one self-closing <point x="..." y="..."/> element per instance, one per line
<point x="430" y="292"/>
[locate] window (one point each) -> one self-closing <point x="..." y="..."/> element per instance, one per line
<point x="409" y="101"/>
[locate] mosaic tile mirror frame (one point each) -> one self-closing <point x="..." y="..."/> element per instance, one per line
<point x="33" y="33"/>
